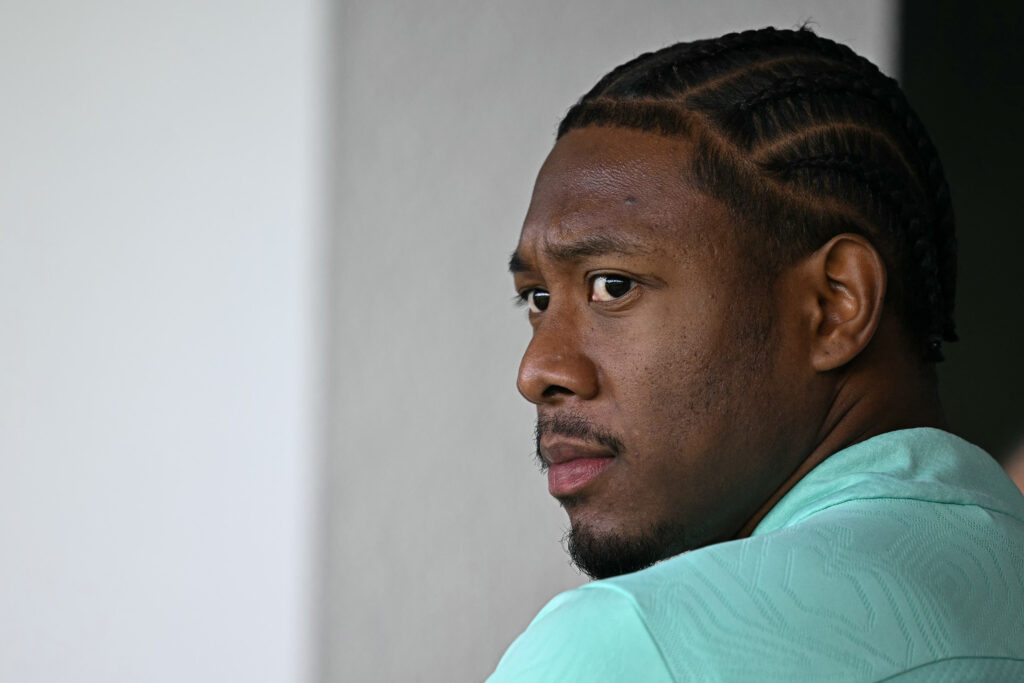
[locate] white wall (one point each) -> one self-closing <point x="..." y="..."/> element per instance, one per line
<point x="158" y="311"/>
<point x="443" y="542"/>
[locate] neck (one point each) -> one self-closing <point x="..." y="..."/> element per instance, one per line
<point x="876" y="393"/>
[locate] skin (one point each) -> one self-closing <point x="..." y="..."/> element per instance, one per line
<point x="722" y="389"/>
<point x="1015" y="467"/>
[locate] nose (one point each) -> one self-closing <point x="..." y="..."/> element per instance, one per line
<point x="554" y="367"/>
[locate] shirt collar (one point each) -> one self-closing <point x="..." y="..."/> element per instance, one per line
<point x="915" y="464"/>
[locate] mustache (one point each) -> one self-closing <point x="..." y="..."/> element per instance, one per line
<point x="575" y="427"/>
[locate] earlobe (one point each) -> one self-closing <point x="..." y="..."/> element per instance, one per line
<point x="849" y="277"/>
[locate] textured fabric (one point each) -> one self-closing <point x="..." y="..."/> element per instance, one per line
<point x="900" y="558"/>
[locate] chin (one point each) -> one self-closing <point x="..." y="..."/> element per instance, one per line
<point x="603" y="554"/>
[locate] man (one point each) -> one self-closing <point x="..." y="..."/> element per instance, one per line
<point x="739" y="264"/>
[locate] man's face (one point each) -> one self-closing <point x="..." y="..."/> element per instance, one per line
<point x="664" y="419"/>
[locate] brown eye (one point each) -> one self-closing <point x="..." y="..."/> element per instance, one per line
<point x="609" y="287"/>
<point x="537" y="299"/>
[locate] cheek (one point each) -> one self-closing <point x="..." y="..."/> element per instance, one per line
<point x="667" y="386"/>
<point x="677" y="368"/>
<point x="689" y="400"/>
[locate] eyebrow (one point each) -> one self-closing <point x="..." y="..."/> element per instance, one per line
<point x="595" y="244"/>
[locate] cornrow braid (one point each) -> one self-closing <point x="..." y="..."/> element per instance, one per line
<point x="905" y="230"/>
<point x="804" y="139"/>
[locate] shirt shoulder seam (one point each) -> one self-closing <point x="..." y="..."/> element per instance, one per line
<point x="987" y="508"/>
<point x="950" y="659"/>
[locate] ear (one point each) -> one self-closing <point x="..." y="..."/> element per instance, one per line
<point x="847" y="277"/>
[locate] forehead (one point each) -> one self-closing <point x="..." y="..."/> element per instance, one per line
<point x="617" y="184"/>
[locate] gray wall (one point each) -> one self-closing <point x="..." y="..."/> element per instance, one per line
<point x="163" y="269"/>
<point x="442" y="542"/>
<point x="159" y="238"/>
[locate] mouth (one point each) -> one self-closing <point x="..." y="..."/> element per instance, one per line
<point x="572" y="466"/>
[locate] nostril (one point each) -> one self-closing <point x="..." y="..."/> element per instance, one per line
<point x="555" y="390"/>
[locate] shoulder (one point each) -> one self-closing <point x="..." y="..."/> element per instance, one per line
<point x="864" y="590"/>
<point x="593" y="633"/>
<point x="901" y="567"/>
<point x="861" y="591"/>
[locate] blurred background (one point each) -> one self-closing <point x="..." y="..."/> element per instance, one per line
<point x="258" y="419"/>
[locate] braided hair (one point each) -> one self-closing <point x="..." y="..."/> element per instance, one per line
<point x="804" y="139"/>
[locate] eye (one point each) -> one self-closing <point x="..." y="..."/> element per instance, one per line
<point x="609" y="287"/>
<point x="537" y="299"/>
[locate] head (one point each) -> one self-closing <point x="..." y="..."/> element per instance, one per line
<point x="725" y="236"/>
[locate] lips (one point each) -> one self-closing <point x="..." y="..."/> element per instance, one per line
<point x="571" y="467"/>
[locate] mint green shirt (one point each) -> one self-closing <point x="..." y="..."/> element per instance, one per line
<point x="898" y="559"/>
